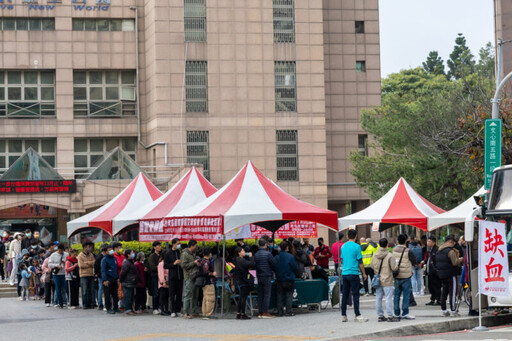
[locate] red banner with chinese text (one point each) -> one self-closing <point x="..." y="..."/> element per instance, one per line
<point x="492" y="259"/>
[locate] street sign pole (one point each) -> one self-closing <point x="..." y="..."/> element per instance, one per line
<point x="492" y="149"/>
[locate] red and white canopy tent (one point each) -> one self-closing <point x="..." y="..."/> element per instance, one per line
<point x="190" y="190"/>
<point x="138" y="193"/>
<point x="400" y="205"/>
<point x="248" y="198"/>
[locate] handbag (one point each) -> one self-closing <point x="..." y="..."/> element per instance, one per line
<point x="397" y="271"/>
<point x="376" y="278"/>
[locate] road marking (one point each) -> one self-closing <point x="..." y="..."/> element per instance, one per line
<point x="219" y="337"/>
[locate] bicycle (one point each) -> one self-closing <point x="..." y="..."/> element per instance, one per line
<point x="463" y="295"/>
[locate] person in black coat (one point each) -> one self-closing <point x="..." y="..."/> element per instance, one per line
<point x="243" y="263"/>
<point x="128" y="278"/>
<point x="172" y="263"/>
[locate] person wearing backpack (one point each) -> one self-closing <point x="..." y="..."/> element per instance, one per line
<point x="417" y="270"/>
<point x="405" y="260"/>
<point x="383" y="265"/>
<point x="448" y="264"/>
<point x="206" y="280"/>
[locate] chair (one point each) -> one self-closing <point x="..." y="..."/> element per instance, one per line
<point x="253" y="295"/>
<point x="218" y="293"/>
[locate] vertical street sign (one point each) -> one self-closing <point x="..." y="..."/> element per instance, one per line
<point x="492" y="149"/>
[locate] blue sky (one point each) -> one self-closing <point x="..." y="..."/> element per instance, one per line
<point x="410" y="29"/>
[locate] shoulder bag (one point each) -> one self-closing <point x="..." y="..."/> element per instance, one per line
<point x="376" y="278"/>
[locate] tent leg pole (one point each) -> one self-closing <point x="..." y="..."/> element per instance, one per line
<point x="223" y="267"/>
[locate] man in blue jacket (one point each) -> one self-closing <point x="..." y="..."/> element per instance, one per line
<point x="265" y="265"/>
<point x="110" y="277"/>
<point x="285" y="278"/>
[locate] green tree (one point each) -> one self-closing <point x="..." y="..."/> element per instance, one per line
<point x="485" y="65"/>
<point x="434" y="64"/>
<point x="461" y="62"/>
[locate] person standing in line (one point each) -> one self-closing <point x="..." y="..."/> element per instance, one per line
<point x="27" y="240"/>
<point x="352" y="261"/>
<point x="245" y="281"/>
<point x="405" y="260"/>
<point x="86" y="262"/>
<point x="110" y="277"/>
<point x="57" y="264"/>
<point x="128" y="279"/>
<point x="449" y="265"/>
<point x="140" y="290"/>
<point x="163" y="286"/>
<point x="265" y="266"/>
<point x="322" y="254"/>
<point x="14" y="253"/>
<point x="153" y="271"/>
<point x="368" y="249"/>
<point x="207" y="270"/>
<point x="172" y="263"/>
<point x="190" y="266"/>
<point x="417" y="270"/>
<point x="97" y="275"/>
<point x="433" y="280"/>
<point x="73" y="279"/>
<point x="285" y="280"/>
<point x="336" y="251"/>
<point x="383" y="265"/>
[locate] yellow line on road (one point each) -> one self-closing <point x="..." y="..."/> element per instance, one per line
<point x="219" y="337"/>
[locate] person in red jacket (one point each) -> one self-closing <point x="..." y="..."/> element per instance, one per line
<point x="322" y="254"/>
<point x="118" y="255"/>
<point x="336" y="247"/>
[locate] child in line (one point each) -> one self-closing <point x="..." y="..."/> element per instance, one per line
<point x="26" y="274"/>
<point x="36" y="270"/>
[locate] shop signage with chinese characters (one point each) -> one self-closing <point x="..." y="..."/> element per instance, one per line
<point x="492" y="259"/>
<point x="50" y="5"/>
<point x="37" y="186"/>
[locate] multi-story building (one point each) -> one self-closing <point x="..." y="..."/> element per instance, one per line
<point x="503" y="31"/>
<point x="180" y="82"/>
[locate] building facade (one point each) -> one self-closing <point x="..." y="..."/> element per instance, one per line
<point x="180" y="82"/>
<point x="503" y="31"/>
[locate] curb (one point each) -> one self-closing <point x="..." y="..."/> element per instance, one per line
<point x="432" y="327"/>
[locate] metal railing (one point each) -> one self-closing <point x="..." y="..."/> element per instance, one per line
<point x="284" y="21"/>
<point x="104" y="108"/>
<point x="27" y="109"/>
<point x="195" y="20"/>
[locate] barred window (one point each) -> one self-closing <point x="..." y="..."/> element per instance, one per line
<point x="27" y="24"/>
<point x="286" y="98"/>
<point x="27" y="94"/>
<point x="195" y="20"/>
<point x="287" y="155"/>
<point x="362" y="142"/>
<point x="196" y="86"/>
<point x="104" y="93"/>
<point x="11" y="150"/>
<point x="284" y="21"/>
<point x="198" y="150"/>
<point x="89" y="151"/>
<point x="127" y="25"/>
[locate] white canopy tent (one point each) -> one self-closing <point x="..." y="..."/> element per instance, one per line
<point x="456" y="215"/>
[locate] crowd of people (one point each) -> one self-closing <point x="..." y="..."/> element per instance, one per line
<point x="184" y="283"/>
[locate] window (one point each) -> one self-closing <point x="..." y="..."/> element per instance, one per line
<point x="196" y="86"/>
<point x="286" y="98"/>
<point x="361" y="66"/>
<point x="359" y="26"/>
<point x="27" y="24"/>
<point x="89" y="151"/>
<point x="284" y="21"/>
<point x="362" y="142"/>
<point x="198" y="150"/>
<point x="27" y="94"/>
<point x="195" y="20"/>
<point x="125" y="25"/>
<point x="104" y="93"/>
<point x="11" y="150"/>
<point x="287" y="155"/>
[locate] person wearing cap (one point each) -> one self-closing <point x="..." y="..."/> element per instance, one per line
<point x="97" y="274"/>
<point x="14" y="252"/>
<point x="86" y="262"/>
<point x="57" y="263"/>
<point x="448" y="265"/>
<point x="153" y="261"/>
<point x="110" y="277"/>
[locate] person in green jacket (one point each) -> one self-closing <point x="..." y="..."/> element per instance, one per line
<point x="190" y="266"/>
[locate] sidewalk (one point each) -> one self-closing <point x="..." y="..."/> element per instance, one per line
<point x="326" y="325"/>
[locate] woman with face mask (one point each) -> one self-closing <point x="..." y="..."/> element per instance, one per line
<point x="128" y="279"/>
<point x="110" y="278"/>
<point x="14" y="252"/>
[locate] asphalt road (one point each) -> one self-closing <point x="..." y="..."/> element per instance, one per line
<point x="494" y="334"/>
<point x="31" y="320"/>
